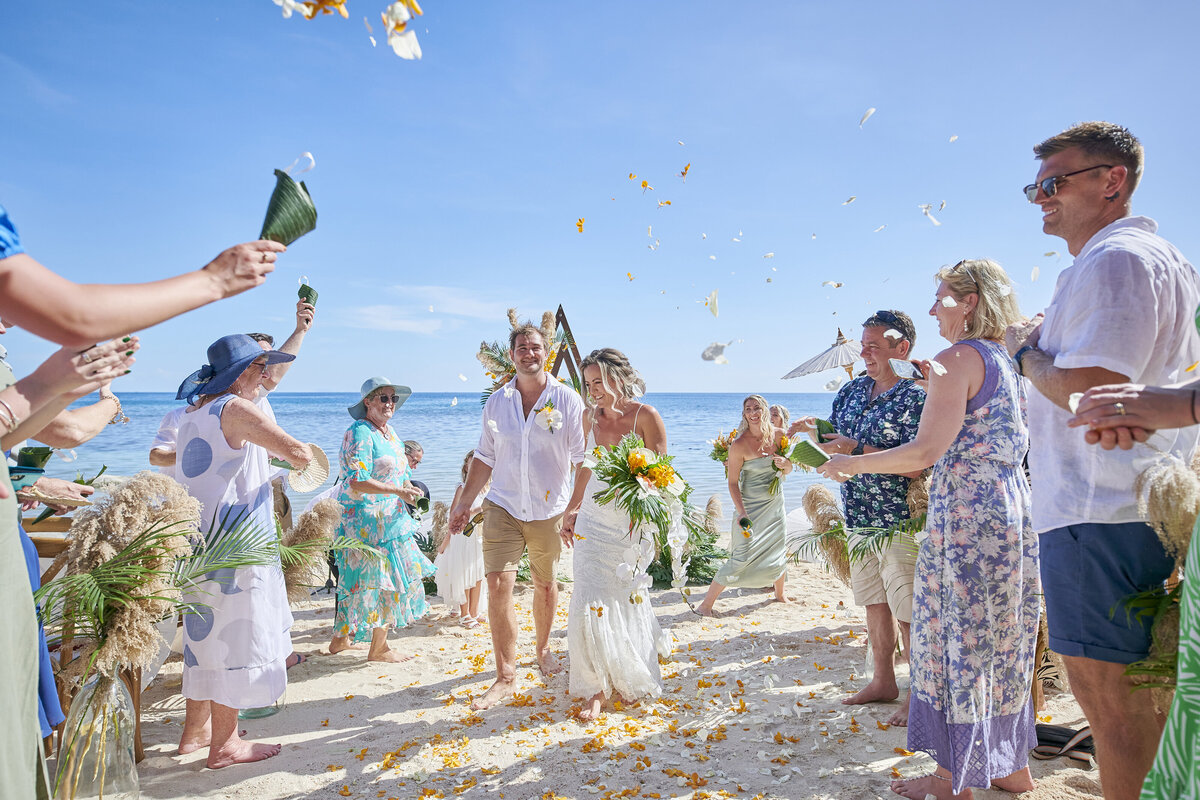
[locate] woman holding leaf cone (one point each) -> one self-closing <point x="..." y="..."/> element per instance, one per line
<point x="976" y="593"/>
<point x="755" y="467"/>
<point x="236" y="640"/>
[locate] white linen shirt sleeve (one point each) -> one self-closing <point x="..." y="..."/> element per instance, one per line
<point x="485" y="451"/>
<point x="1112" y="323"/>
<point x="573" y="422"/>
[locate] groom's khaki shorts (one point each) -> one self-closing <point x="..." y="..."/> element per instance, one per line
<point x="886" y="577"/>
<point x="505" y="539"/>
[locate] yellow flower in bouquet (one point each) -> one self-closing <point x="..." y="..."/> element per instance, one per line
<point x="661" y="475"/>
<point x="640" y="458"/>
<point x="781" y="450"/>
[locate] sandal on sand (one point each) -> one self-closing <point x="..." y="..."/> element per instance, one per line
<point x="1058" y="740"/>
<point x="469" y="622"/>
<point x="300" y="659"/>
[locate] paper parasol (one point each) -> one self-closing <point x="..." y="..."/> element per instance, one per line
<point x="291" y="212"/>
<point x="312" y="476"/>
<point x="842" y="353"/>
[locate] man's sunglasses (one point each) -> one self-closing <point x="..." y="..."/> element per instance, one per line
<point x="388" y="398"/>
<point x="1049" y="186"/>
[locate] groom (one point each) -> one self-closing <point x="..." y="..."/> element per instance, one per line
<point x="532" y="438"/>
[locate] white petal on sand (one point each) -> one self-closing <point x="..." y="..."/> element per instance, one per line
<point x="1034" y="273"/>
<point x="711" y="302"/>
<point x="866" y="116"/>
<point x="892" y="333"/>
<point x="954" y="138"/>
<point x="1073" y="401"/>
<point x="949" y="302"/>
<point x="768" y="255"/>
<point x="937" y="368"/>
<point x="853" y="197"/>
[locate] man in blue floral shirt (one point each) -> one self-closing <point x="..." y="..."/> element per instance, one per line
<point x="879" y="411"/>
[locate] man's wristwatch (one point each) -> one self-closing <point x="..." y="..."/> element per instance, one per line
<point x="1020" y="354"/>
<point x="857" y="450"/>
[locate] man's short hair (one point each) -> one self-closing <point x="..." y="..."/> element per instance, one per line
<point x="1106" y="141"/>
<point x="525" y="329"/>
<point x="262" y="338"/>
<point x="895" y="320"/>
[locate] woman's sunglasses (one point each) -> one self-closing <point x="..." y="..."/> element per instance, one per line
<point x="388" y="398"/>
<point x="1049" y="186"/>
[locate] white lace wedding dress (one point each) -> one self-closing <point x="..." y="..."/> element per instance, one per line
<point x="613" y="643"/>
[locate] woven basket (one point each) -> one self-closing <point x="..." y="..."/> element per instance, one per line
<point x="291" y="212"/>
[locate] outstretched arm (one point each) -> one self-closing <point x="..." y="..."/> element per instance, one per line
<point x="305" y="312"/>
<point x="80" y="314"/>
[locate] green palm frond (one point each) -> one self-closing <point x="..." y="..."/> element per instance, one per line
<point x="873" y="541"/>
<point x="315" y="550"/>
<point x="811" y="546"/>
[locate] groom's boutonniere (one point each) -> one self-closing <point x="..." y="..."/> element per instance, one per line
<point x="548" y="417"/>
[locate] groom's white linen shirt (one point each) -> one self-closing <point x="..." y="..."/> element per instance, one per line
<point x="1126" y="304"/>
<point x="531" y="467"/>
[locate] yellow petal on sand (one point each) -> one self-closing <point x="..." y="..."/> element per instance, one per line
<point x="1034" y="273"/>
<point x="901" y="751"/>
<point x="866" y="116"/>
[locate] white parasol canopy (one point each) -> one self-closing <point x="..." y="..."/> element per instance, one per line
<point x="842" y="353"/>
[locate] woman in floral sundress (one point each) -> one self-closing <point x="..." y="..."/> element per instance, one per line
<point x="975" y="600"/>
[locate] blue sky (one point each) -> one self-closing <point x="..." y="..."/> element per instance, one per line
<point x="140" y="139"/>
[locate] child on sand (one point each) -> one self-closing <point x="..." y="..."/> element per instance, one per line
<point x="460" y="565"/>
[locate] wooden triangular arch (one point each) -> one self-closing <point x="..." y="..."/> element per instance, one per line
<point x="568" y="352"/>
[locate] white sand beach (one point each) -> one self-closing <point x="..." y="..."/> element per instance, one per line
<point x="752" y="709"/>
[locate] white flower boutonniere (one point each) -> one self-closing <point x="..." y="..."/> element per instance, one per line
<point x="548" y="417"/>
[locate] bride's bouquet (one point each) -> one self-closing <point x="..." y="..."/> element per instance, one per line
<point x="645" y="485"/>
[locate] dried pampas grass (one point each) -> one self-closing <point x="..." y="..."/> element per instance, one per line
<point x="918" y="494"/>
<point x="828" y="525"/>
<point x="1168" y="495"/>
<point x="440" y="521"/>
<point x="317" y="525"/>
<point x="712" y="515"/>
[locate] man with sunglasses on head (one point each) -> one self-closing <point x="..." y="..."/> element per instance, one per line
<point x="1123" y="311"/>
<point x="878" y="411"/>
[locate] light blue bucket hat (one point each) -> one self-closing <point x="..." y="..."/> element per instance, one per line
<point x="359" y="409"/>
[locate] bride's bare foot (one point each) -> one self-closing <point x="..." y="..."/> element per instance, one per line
<point x="497" y="693"/>
<point x="592" y="708"/>
<point x="900" y="718"/>
<point x="237" y="751"/>
<point x="340" y="643"/>
<point x="927" y="786"/>
<point x="548" y="664"/>
<point x="390" y="656"/>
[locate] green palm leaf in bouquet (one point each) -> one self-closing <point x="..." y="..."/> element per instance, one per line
<point x="290" y="212"/>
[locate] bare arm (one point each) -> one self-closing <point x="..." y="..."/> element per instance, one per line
<point x="304" y="319"/>
<point x="162" y="457"/>
<point x="81" y="314"/>
<point x="477" y="477"/>
<point x="242" y="422"/>
<point x="652" y="430"/>
<point x="73" y="427"/>
<point x="1142" y="410"/>
<point x="1055" y="384"/>
<point x="733" y="470"/>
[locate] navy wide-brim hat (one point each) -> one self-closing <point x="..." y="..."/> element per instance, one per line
<point x="228" y="358"/>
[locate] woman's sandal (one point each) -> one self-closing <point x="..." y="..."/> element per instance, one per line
<point x="469" y="622"/>
<point x="1058" y="740"/>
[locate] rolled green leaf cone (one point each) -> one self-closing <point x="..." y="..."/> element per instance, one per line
<point x="808" y="454"/>
<point x="308" y="294"/>
<point x="33" y="456"/>
<point x="291" y="212"/>
<point x="824" y="428"/>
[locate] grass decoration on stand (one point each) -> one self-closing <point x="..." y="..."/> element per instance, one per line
<point x="499" y="367"/>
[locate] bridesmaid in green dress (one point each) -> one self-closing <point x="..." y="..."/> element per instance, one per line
<point x="758" y="556"/>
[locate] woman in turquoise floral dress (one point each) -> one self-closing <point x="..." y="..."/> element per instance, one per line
<point x="376" y="594"/>
<point x="976" y="592"/>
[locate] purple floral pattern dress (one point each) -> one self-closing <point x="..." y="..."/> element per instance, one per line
<point x="976" y="595"/>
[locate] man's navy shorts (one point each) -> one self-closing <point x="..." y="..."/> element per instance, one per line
<point x="1088" y="571"/>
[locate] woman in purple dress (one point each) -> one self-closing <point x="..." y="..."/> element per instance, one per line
<point x="975" y="600"/>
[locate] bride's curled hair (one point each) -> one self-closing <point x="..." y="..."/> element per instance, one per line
<point x="621" y="380"/>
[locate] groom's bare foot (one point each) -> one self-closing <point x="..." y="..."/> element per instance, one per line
<point x="877" y="691"/>
<point x="592" y="708"/>
<point x="237" y="751"/>
<point x="548" y="664"/>
<point x="497" y="693"/>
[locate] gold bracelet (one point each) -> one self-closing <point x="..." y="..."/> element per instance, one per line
<point x="119" y="416"/>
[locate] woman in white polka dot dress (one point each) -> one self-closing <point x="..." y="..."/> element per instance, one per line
<point x="237" y="641"/>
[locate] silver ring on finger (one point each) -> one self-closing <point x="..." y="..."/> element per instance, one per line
<point x="1120" y="407"/>
<point x="86" y="356"/>
<point x="264" y="257"/>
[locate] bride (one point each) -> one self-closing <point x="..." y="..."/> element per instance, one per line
<point x="614" y="642"/>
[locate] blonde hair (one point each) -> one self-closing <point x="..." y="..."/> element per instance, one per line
<point x="765" y="432"/>
<point x="466" y="467"/>
<point x="784" y="414"/>
<point x="620" y="379"/>
<point x="997" y="307"/>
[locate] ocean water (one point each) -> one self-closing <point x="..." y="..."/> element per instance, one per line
<point x="446" y="430"/>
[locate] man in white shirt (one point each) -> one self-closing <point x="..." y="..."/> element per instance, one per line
<point x="532" y="438"/>
<point x="1123" y="311"/>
